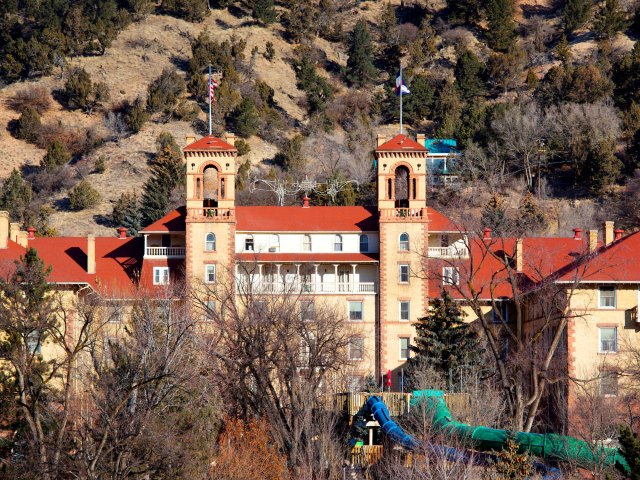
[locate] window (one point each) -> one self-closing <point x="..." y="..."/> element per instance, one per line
<point x="248" y="244"/>
<point x="404" y="311"/>
<point x="307" y="310"/>
<point x="210" y="310"/>
<point x="210" y="242"/>
<point x="502" y="313"/>
<point x="404" y="241"/>
<point x="33" y="342"/>
<point x="161" y="275"/>
<point x="356" y="348"/>
<point x="450" y="276"/>
<point x="608" y="384"/>
<point x="364" y="243"/>
<point x="274" y="243"/>
<point x="404" y="274"/>
<point x="355" y="383"/>
<point x="355" y="311"/>
<point x="337" y="243"/>
<point x="608" y="339"/>
<point x="405" y="353"/>
<point x="116" y="315"/>
<point x="210" y="274"/>
<point x="607" y="297"/>
<point x="306" y="243"/>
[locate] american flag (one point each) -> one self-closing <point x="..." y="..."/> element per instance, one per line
<point x="212" y="89"/>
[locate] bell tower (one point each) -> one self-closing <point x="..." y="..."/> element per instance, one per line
<point x="210" y="217"/>
<point x="403" y="223"/>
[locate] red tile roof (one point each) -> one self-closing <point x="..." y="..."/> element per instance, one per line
<point x="309" y="257"/>
<point x="8" y="257"/>
<point x="400" y="143"/>
<point x="209" y="143"/>
<point x="439" y="223"/>
<point x="171" y="222"/>
<point x="312" y="219"/>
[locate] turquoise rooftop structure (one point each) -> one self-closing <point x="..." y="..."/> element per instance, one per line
<point x="442" y="154"/>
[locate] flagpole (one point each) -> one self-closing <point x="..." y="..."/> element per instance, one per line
<point x="401" y="81"/>
<point x="210" y="98"/>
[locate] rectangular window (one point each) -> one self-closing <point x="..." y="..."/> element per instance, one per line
<point x="608" y="339"/>
<point x="210" y="274"/>
<point x="307" y="310"/>
<point x="450" y="276"/>
<point x="116" y="315"/>
<point x="306" y="243"/>
<point x="608" y="384"/>
<point x="248" y="244"/>
<point x="33" y="342"/>
<point x="404" y="311"/>
<point x="405" y="353"/>
<point x="356" y="348"/>
<point x="404" y="274"/>
<point x="210" y="310"/>
<point x="355" y="311"/>
<point x="161" y="275"/>
<point x="607" y="297"/>
<point x="501" y="312"/>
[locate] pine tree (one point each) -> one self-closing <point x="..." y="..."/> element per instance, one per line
<point x="419" y="104"/>
<point x="264" y="11"/>
<point x="28" y="125"/>
<point x="360" y="69"/>
<point x="469" y="75"/>
<point x="317" y="88"/>
<point x="630" y="448"/>
<point x="448" y="110"/>
<point x="577" y="13"/>
<point x="530" y="217"/>
<point x="443" y="340"/>
<point x="244" y="118"/>
<point x="494" y="216"/>
<point x="610" y="19"/>
<point x="126" y="213"/>
<point x="83" y="196"/>
<point x="562" y="50"/>
<point x="57" y="156"/>
<point x="501" y="31"/>
<point x="464" y="11"/>
<point x="15" y="196"/>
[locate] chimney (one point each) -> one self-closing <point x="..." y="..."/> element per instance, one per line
<point x="21" y="239"/>
<point x="381" y="139"/>
<point x="122" y="232"/>
<point x="305" y="202"/>
<point x="420" y="138"/>
<point x="4" y="229"/>
<point x="608" y="232"/>
<point x="487" y="234"/>
<point x="91" y="254"/>
<point x="14" y="229"/>
<point x="577" y="234"/>
<point x="617" y="234"/>
<point x="190" y="139"/>
<point x="519" y="255"/>
<point x="593" y="240"/>
<point x="230" y="138"/>
<point x="31" y="233"/>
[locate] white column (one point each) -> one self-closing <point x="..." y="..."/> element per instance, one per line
<point x="353" y="280"/>
<point x="298" y="275"/>
<point x="279" y="281"/>
<point x="315" y="278"/>
<point x="260" y="278"/>
<point x="335" y="277"/>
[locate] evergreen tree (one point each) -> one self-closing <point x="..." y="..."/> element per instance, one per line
<point x="501" y="29"/>
<point x="494" y="216"/>
<point x="419" y="104"/>
<point x="57" y="156"/>
<point x="126" y="213"/>
<point x="630" y="448"/>
<point x="610" y="19"/>
<point x="163" y="93"/>
<point x="562" y="50"/>
<point x="264" y="11"/>
<point x="626" y="76"/>
<point x="448" y="110"/>
<point x="469" y="74"/>
<point x="78" y="88"/>
<point x="576" y="13"/>
<point x="135" y="115"/>
<point x="601" y="167"/>
<point x="29" y="125"/>
<point x="464" y="11"/>
<point x="83" y="196"/>
<point x="317" y="88"/>
<point x="443" y="339"/>
<point x="530" y="217"/>
<point x="360" y="69"/>
<point x="15" y="196"/>
<point x="244" y="118"/>
<point x="191" y="10"/>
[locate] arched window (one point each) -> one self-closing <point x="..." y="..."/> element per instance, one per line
<point x="364" y="243"/>
<point x="274" y="243"/>
<point x="337" y="243"/>
<point x="306" y="243"/>
<point x="210" y="242"/>
<point x="404" y="241"/>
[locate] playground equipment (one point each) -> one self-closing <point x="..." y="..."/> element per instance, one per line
<point x="548" y="446"/>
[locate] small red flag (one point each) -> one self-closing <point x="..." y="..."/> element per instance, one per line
<point x="389" y="378"/>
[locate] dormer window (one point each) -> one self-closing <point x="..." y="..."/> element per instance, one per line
<point x="337" y="243"/>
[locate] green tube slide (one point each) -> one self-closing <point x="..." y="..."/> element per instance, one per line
<point x="549" y="446"/>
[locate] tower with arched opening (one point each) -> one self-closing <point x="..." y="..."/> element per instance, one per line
<point x="403" y="245"/>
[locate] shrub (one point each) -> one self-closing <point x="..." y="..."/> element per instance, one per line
<point x="242" y="147"/>
<point x="37" y="98"/>
<point x="164" y="91"/>
<point x="57" y="155"/>
<point x="29" y="125"/>
<point x="100" y="165"/>
<point x="244" y="118"/>
<point x="135" y="115"/>
<point x="83" y="196"/>
<point x="264" y="12"/>
<point x="81" y="92"/>
<point x="269" y="51"/>
<point x="191" y="10"/>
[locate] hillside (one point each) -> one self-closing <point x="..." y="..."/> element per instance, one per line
<point x="430" y="45"/>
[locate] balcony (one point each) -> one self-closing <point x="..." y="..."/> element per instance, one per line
<point x="321" y="288"/>
<point x="452" y="251"/>
<point x="403" y="214"/>
<point x="176" y="252"/>
<point x="211" y="214"/>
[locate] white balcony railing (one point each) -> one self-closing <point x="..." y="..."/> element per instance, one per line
<point x="451" y="251"/>
<point x="166" y="252"/>
<point x="311" y="288"/>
